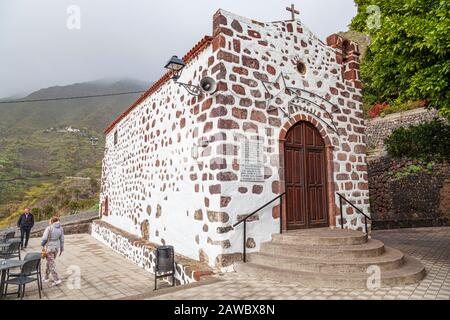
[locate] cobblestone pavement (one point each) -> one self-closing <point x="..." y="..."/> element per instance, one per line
<point x="104" y="274"/>
<point x="430" y="245"/>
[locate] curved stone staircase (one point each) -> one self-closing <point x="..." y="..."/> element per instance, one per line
<point x="330" y="259"/>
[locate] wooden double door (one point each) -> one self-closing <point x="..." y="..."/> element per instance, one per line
<point x="306" y="180"/>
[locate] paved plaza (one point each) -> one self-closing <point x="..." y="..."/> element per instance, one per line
<point x="430" y="245"/>
<point x="92" y="271"/>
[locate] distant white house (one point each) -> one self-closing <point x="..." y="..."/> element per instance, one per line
<point x="73" y="130"/>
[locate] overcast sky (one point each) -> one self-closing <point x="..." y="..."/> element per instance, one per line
<point x="125" y="38"/>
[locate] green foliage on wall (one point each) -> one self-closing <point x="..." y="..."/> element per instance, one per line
<point x="409" y="57"/>
<point x="429" y="140"/>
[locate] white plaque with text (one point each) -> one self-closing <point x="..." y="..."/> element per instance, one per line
<point x="252" y="168"/>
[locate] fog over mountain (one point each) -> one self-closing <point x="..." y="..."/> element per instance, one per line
<point x="119" y="38"/>
<point x="93" y="113"/>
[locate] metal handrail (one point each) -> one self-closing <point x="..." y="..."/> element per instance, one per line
<point x="341" y="197"/>
<point x="244" y="221"/>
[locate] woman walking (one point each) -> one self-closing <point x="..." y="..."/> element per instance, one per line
<point x="52" y="243"/>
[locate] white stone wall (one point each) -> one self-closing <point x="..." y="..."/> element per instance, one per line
<point x="174" y="176"/>
<point x="137" y="253"/>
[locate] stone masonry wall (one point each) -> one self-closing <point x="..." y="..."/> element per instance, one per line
<point x="254" y="53"/>
<point x="379" y="129"/>
<point x="408" y="200"/>
<point x="142" y="253"/>
<point x="174" y="175"/>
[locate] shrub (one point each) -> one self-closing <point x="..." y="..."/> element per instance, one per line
<point x="398" y="106"/>
<point x="413" y="169"/>
<point x="74" y="207"/>
<point x="48" y="211"/>
<point x="427" y="141"/>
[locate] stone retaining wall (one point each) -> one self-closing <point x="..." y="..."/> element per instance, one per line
<point x="141" y="252"/>
<point x="379" y="129"/>
<point x="412" y="200"/>
<point x="74" y="224"/>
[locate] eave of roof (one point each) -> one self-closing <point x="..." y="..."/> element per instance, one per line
<point x="194" y="52"/>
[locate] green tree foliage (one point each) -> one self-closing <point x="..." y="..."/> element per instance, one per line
<point x="425" y="141"/>
<point x="408" y="58"/>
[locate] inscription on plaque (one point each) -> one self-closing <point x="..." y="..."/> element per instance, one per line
<point x="252" y="168"/>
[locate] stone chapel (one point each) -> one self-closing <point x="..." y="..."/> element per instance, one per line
<point x="284" y="121"/>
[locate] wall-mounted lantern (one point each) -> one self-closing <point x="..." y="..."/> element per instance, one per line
<point x="176" y="66"/>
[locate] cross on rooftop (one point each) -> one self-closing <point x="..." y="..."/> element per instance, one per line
<point x="293" y="11"/>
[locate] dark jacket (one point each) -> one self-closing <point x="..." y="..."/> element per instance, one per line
<point x="26" y="222"/>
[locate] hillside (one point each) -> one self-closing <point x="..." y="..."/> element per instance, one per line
<point x="43" y="145"/>
<point x="92" y="113"/>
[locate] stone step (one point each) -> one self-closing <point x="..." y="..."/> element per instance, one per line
<point x="372" y="248"/>
<point x="412" y="271"/>
<point x="391" y="259"/>
<point x="321" y="237"/>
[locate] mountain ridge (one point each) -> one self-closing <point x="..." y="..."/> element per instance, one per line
<point x="36" y="161"/>
<point x="94" y="113"/>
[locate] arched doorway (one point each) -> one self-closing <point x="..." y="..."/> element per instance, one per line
<point x="306" y="178"/>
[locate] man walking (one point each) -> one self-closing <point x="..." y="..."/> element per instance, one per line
<point x="25" y="223"/>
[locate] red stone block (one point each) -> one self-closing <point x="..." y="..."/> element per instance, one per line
<point x="218" y="164"/>
<point x="263" y="43"/>
<point x="342" y="157"/>
<point x="276" y="187"/>
<point x="257" y="189"/>
<point x="240" y="70"/>
<point x="228" y="57"/>
<point x="218" y="43"/>
<point x="239" y="89"/>
<point x="245" y="102"/>
<point x="250" y="62"/>
<point x="254" y="34"/>
<point x="236" y="45"/>
<point x="334" y="91"/>
<point x="243" y="190"/>
<point x="290" y="27"/>
<point x="351" y="75"/>
<point x="258" y="116"/>
<point x="215" y="189"/>
<point x="207" y="127"/>
<point x="236" y="26"/>
<point x="240" y="113"/>
<point x="207" y="104"/>
<point x="276" y="212"/>
<point x="251" y="127"/>
<point x="228" y="124"/>
<point x="218" y="112"/>
<point x="227" y="176"/>
<point x="342" y="177"/>
<point x="271" y="70"/>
